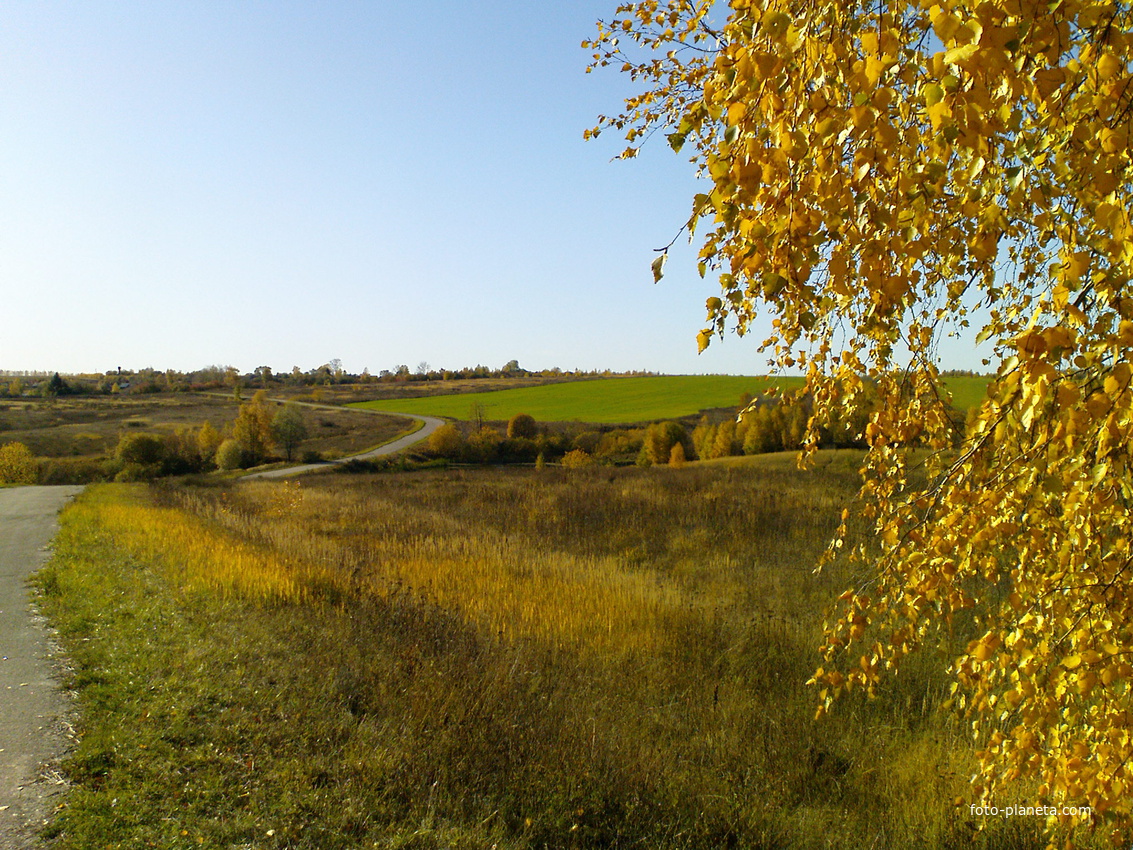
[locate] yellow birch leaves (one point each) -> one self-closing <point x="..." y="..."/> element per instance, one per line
<point x="873" y="174"/>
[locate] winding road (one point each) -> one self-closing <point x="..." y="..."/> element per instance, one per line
<point x="32" y="708"/>
<point x="430" y="424"/>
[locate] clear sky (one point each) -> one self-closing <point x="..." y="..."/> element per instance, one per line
<point x="283" y="183"/>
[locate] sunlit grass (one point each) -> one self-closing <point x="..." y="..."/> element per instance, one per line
<point x="602" y="400"/>
<point x="625" y="400"/>
<point x="474" y="658"/>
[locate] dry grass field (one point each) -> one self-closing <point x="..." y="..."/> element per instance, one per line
<point x="508" y="658"/>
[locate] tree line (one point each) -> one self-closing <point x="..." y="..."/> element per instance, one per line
<point x="769" y="425"/>
<point x="332" y="373"/>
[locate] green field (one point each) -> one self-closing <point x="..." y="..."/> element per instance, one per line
<point x="608" y="400"/>
<point x="622" y="400"/>
<point x="967" y="390"/>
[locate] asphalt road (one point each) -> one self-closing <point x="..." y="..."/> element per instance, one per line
<point x="431" y="425"/>
<point x="32" y="708"/>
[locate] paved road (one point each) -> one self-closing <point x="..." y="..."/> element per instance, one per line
<point x="431" y="425"/>
<point x="31" y="707"/>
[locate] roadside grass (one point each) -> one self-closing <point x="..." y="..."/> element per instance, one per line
<point x="477" y="658"/>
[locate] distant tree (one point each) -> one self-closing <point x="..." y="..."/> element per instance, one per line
<point x="17" y="464"/>
<point x="55" y="387"/>
<point x="423" y="368"/>
<point x="476" y="415"/>
<point x="511" y="367"/>
<point x="522" y="425"/>
<point x="660" y="438"/>
<point x="288" y="428"/>
<point x="263" y="373"/>
<point x="252" y="429"/>
<point x="764" y="430"/>
<point x="208" y="440"/>
<point x="725" y="443"/>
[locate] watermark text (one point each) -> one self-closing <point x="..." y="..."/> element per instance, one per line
<point x="988" y="811"/>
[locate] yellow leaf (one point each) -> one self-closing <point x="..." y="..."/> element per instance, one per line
<point x="960" y="54"/>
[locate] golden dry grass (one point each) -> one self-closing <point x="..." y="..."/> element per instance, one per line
<point x="594" y="658"/>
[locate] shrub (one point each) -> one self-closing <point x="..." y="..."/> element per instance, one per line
<point x="518" y="450"/>
<point x="230" y="455"/>
<point x="677" y="456"/>
<point x="17" y="464"/>
<point x="74" y="470"/>
<point x="484" y="446"/>
<point x="142" y="449"/>
<point x="134" y="472"/>
<point x="446" y="441"/>
<point x="576" y="459"/>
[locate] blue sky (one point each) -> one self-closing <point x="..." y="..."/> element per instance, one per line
<point x="283" y="183"/>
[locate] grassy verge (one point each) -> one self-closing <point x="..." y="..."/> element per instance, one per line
<point x="478" y="658"/>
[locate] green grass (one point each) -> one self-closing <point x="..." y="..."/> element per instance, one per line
<point x="609" y="400"/>
<point x="624" y="400"/>
<point x="967" y="391"/>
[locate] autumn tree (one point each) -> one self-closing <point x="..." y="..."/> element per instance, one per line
<point x="677" y="456"/>
<point x="208" y="441"/>
<point x="288" y="428"/>
<point x="874" y="173"/>
<point x="252" y="429"/>
<point x="522" y="425"/>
